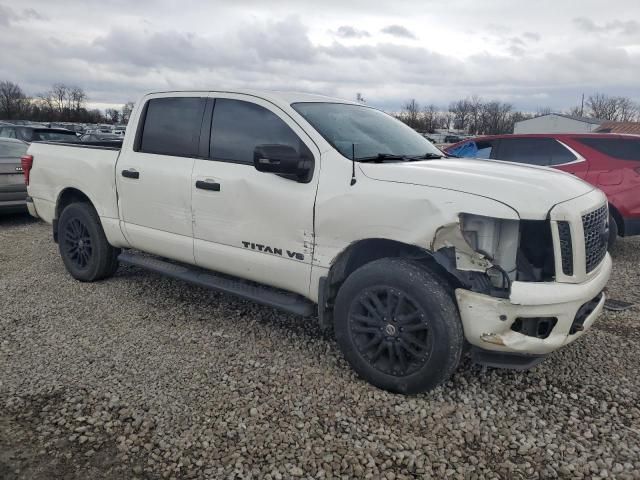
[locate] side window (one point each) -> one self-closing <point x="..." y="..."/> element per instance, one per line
<point x="561" y="154"/>
<point x="467" y="149"/>
<point x="622" y="148"/>
<point x="239" y="126"/>
<point x="8" y="132"/>
<point x="172" y="126"/>
<point x="473" y="149"/>
<point x="533" y="151"/>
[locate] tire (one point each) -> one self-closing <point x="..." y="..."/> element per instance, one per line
<point x="84" y="249"/>
<point x="613" y="232"/>
<point x="407" y="341"/>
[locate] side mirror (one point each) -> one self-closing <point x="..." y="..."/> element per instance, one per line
<point x="282" y="160"/>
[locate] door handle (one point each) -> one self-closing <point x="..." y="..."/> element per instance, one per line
<point x="131" y="173"/>
<point x="206" y="185"/>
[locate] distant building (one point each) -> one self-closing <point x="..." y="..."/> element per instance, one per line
<point x="557" y="123"/>
<point x="620" y="127"/>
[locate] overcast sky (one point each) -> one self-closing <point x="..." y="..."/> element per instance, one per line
<point x="530" y="53"/>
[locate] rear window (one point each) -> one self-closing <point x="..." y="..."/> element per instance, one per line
<point x="8" y="149"/>
<point x="172" y="126"/>
<point x="534" y="151"/>
<point x="53" y="136"/>
<point x="621" y="148"/>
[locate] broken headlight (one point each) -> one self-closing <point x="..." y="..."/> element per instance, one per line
<point x="497" y="240"/>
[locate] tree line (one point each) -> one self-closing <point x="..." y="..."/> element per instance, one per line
<point x="480" y="117"/>
<point x="61" y="103"/>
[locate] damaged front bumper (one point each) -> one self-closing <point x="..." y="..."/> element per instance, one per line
<point x="537" y="318"/>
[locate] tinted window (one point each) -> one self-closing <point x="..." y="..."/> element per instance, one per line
<point x="238" y="127"/>
<point x="534" y="151"/>
<point x="8" y="132"/>
<point x="54" y="136"/>
<point x="370" y="131"/>
<point x="472" y="149"/>
<point x="11" y="149"/>
<point x="172" y="126"/>
<point x="622" y="148"/>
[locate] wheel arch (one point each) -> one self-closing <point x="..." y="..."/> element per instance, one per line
<point x="613" y="211"/>
<point x="66" y="197"/>
<point x="365" y="251"/>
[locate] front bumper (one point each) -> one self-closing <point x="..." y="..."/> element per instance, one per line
<point x="487" y="321"/>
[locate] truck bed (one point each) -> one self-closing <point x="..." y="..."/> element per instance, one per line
<point x="88" y="168"/>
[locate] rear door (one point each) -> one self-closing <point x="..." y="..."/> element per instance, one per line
<point x="541" y="151"/>
<point x="154" y="176"/>
<point x="13" y="191"/>
<point x="248" y="223"/>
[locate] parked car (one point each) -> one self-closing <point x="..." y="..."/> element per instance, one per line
<point x="13" y="191"/>
<point x="608" y="161"/>
<point x="328" y="207"/>
<point x="38" y="134"/>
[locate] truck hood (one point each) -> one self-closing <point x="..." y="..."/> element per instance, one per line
<point x="530" y="190"/>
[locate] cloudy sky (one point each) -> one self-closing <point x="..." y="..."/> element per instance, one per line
<point x="542" y="53"/>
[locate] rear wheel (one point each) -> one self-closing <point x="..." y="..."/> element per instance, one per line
<point x="83" y="246"/>
<point x="397" y="326"/>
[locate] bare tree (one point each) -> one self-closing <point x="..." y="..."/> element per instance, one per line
<point x="411" y="113"/>
<point x="627" y="111"/>
<point x="540" y="111"/>
<point x="475" y="105"/>
<point x="127" y="108"/>
<point x="77" y="98"/>
<point x="576" y="111"/>
<point x="12" y="100"/>
<point x="461" y="111"/>
<point x="58" y="95"/>
<point x="112" y="115"/>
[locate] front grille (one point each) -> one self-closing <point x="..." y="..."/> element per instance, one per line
<point x="566" y="247"/>
<point x="596" y="236"/>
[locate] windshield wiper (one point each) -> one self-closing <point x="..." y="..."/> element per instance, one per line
<point x="426" y="156"/>
<point x="381" y="157"/>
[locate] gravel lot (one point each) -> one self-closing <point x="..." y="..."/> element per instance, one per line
<point x="145" y="377"/>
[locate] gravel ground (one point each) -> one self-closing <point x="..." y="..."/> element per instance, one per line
<point x="141" y="376"/>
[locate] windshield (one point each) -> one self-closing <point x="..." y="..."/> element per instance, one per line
<point x="370" y="131"/>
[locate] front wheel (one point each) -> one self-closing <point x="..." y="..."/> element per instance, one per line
<point x="397" y="326"/>
<point x="84" y="248"/>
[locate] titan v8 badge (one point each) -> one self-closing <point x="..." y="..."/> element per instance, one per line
<point x="273" y="250"/>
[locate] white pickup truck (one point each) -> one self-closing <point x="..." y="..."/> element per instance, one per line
<point x="325" y="207"/>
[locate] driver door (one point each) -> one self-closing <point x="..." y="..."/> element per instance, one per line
<point x="247" y="223"/>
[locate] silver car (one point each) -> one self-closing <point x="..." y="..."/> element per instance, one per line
<point x="13" y="192"/>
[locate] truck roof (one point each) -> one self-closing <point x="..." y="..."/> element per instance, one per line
<point x="277" y="97"/>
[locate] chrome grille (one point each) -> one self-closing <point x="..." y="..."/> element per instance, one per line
<point x="596" y="235"/>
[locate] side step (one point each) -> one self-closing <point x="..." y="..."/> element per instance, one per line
<point x="271" y="297"/>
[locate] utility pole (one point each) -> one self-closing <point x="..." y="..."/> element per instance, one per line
<point x="582" y="106"/>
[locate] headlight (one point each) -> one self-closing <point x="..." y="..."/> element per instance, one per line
<point x="495" y="238"/>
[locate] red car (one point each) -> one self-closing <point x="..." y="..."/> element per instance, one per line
<point x="608" y="161"/>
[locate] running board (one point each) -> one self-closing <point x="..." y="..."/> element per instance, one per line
<point x="264" y="295"/>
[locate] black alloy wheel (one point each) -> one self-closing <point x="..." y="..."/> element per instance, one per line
<point x="390" y="330"/>
<point x="398" y="326"/>
<point x="77" y="243"/>
<point x="84" y="248"/>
